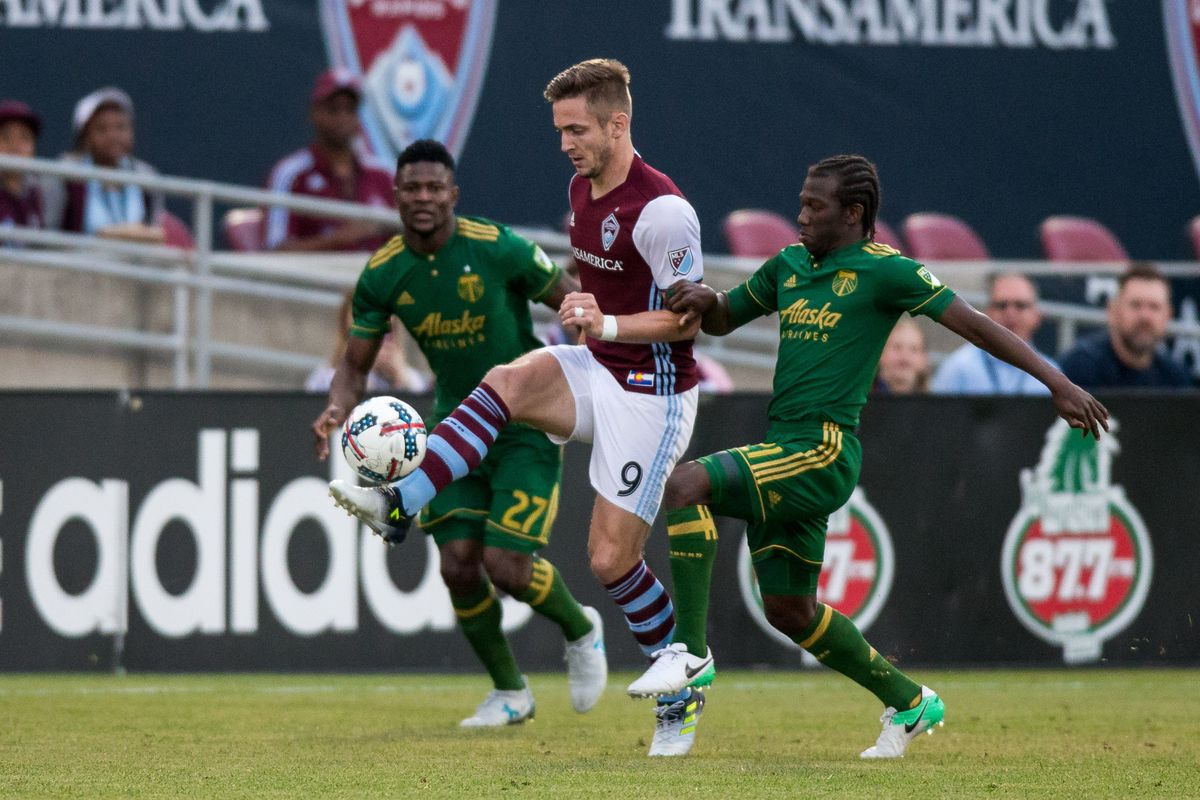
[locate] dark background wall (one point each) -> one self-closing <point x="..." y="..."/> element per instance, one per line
<point x="1001" y="135"/>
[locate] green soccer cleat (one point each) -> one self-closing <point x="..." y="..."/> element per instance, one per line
<point x="901" y="727"/>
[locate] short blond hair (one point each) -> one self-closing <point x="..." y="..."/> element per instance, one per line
<point x="602" y="82"/>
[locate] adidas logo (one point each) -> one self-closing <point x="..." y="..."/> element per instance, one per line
<point x="773" y="498"/>
<point x="405" y="299"/>
<point x="790" y="283"/>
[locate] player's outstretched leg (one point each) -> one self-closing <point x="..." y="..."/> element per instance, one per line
<point x="687" y="661"/>
<point x="837" y="643"/>
<point x="675" y="723"/>
<point x="455" y="446"/>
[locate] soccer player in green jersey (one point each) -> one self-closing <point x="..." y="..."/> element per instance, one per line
<point x="838" y="294"/>
<point x="462" y="286"/>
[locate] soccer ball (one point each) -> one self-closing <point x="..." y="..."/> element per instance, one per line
<point x="383" y="439"/>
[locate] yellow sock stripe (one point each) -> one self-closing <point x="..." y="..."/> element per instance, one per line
<point x="475" y="611"/>
<point x="542" y="580"/>
<point x="826" y="617"/>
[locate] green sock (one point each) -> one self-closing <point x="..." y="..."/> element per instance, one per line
<point x="837" y="643"/>
<point x="479" y="618"/>
<point x="548" y="595"/>
<point x="692" y="537"/>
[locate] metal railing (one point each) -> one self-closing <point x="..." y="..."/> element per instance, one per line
<point x="196" y="276"/>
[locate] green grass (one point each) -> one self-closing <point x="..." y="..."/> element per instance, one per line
<point x="1078" y="734"/>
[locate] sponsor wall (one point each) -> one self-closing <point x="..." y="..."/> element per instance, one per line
<point x="192" y="532"/>
<point x="1000" y="112"/>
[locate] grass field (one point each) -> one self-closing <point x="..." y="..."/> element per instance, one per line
<point x="1078" y="734"/>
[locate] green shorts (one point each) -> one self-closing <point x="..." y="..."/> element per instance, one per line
<point x="509" y="501"/>
<point x="786" y="489"/>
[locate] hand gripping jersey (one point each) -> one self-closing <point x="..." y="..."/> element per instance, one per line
<point x="467" y="305"/>
<point x="630" y="245"/>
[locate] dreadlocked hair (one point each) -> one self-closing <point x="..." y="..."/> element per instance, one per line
<point x="858" y="182"/>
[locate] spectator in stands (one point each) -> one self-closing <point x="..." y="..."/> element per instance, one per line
<point x="20" y="198"/>
<point x="904" y="363"/>
<point x="1129" y="353"/>
<point x="392" y="371"/>
<point x="103" y="126"/>
<point x="330" y="167"/>
<point x="1012" y="303"/>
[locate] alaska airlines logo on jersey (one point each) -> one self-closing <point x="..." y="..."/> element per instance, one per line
<point x="929" y="277"/>
<point x="609" y="230"/>
<point x="845" y="282"/>
<point x="799" y="313"/>
<point x="610" y="264"/>
<point x="1076" y="560"/>
<point x="434" y="325"/>
<point x="470" y="287"/>
<point x="422" y="65"/>
<point x="856" y="574"/>
<point x="1182" y="20"/>
<point x="681" y="260"/>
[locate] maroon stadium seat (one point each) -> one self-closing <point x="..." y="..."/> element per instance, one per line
<point x="1079" y="239"/>
<point x="1194" y="233"/>
<point x="244" y="229"/>
<point x="935" y="237"/>
<point x="175" y="231"/>
<point x="758" y="234"/>
<point x="885" y="235"/>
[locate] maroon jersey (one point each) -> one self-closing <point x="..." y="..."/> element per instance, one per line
<point x="631" y="244"/>
<point x="24" y="209"/>
<point x="307" y="172"/>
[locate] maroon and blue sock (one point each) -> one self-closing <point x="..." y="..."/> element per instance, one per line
<point x="647" y="607"/>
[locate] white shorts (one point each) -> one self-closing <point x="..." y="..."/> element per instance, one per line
<point x="636" y="438"/>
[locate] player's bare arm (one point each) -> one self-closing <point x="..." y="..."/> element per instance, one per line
<point x="349" y="383"/>
<point x="695" y="300"/>
<point x="1073" y="404"/>
<point x="580" y="311"/>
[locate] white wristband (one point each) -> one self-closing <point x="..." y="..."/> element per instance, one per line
<point x="610" y="328"/>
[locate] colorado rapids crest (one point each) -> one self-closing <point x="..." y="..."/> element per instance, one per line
<point x="421" y="64"/>
<point x="1076" y="560"/>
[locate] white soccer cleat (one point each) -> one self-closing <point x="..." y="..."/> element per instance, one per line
<point x="378" y="507"/>
<point x="674" y="669"/>
<point x="587" y="664"/>
<point x="675" y="725"/>
<point x="901" y="727"/>
<point x="501" y="707"/>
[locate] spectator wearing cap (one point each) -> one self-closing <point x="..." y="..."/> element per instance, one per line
<point x="330" y="167"/>
<point x="20" y="197"/>
<point x="103" y="126"/>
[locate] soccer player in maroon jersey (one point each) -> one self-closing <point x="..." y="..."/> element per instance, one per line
<point x="630" y="390"/>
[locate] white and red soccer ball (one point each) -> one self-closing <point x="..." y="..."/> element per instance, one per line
<point x="383" y="439"/>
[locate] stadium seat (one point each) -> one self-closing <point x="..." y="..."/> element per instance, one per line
<point x="1194" y="233"/>
<point x="758" y="234"/>
<point x="935" y="237"/>
<point x="884" y="234"/>
<point x="175" y="231"/>
<point x="1079" y="239"/>
<point x="243" y="229"/>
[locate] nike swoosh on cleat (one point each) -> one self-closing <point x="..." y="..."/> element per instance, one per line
<point x="909" y="727"/>
<point x="691" y="673"/>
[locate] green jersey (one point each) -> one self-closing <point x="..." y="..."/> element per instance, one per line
<point x="467" y="305"/>
<point x="834" y="318"/>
